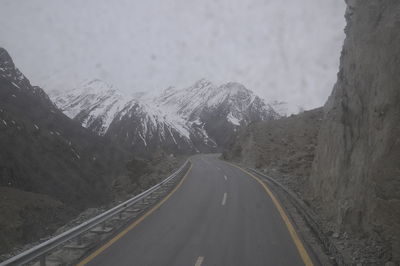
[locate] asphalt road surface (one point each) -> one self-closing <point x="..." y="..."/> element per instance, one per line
<point x="219" y="215"/>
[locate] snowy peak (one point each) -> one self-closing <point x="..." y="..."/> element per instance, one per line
<point x="95" y="104"/>
<point x="200" y="118"/>
<point x="9" y="72"/>
<point x="280" y="107"/>
<point x="96" y="86"/>
<point x="190" y="102"/>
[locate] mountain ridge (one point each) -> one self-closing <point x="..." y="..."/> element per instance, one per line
<point x="187" y="120"/>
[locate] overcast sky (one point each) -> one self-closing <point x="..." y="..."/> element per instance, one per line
<point x="281" y="49"/>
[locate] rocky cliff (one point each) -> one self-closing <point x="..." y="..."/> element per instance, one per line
<point x="355" y="181"/>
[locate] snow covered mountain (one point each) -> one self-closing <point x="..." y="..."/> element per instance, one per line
<point x="201" y="118"/>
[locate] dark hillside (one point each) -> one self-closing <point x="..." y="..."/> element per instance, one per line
<point x="46" y="154"/>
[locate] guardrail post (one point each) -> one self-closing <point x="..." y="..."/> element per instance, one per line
<point x="43" y="260"/>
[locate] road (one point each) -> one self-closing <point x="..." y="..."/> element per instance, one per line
<point x="219" y="215"/>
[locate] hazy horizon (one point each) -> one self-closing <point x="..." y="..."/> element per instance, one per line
<point x="282" y="50"/>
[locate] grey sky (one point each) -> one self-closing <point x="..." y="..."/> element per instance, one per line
<point x="282" y="49"/>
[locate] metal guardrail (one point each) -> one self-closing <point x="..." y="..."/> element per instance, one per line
<point x="308" y="215"/>
<point x="40" y="251"/>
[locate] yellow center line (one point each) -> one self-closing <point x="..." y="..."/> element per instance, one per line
<point x="299" y="245"/>
<point x="133" y="225"/>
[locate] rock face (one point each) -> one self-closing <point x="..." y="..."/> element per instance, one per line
<point x="355" y="180"/>
<point x="201" y="118"/>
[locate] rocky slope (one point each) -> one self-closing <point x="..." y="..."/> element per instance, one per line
<point x="282" y="147"/>
<point x="201" y="118"/>
<point x="355" y="181"/>
<point x="28" y="216"/>
<point x="45" y="154"/>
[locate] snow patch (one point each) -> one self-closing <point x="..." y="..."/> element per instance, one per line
<point x="75" y="153"/>
<point x="233" y="120"/>
<point x="143" y="139"/>
<point x="15" y="85"/>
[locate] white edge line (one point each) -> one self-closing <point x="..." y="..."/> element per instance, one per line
<point x="224" y="199"/>
<point x="199" y="261"/>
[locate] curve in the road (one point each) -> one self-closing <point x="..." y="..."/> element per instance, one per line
<point x="300" y="247"/>
<point x="216" y="215"/>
